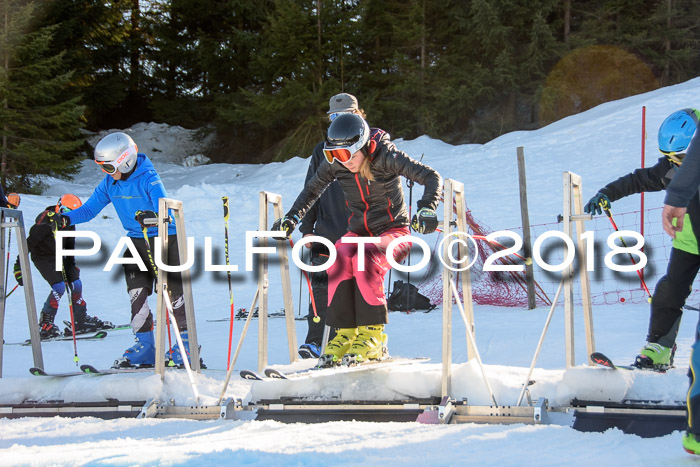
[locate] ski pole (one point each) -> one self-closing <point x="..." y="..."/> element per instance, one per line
<point x="316" y="318"/>
<point x="144" y="231"/>
<point x="228" y="273"/>
<point x="13" y="289"/>
<point x="186" y="360"/>
<point x="299" y="304"/>
<point x="606" y="207"/>
<point x="54" y="228"/>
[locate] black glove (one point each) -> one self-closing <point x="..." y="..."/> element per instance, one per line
<point x="286" y="224"/>
<point x="424" y="221"/>
<point x="60" y="220"/>
<point x="18" y="272"/>
<point x="143" y="216"/>
<point x="597" y="204"/>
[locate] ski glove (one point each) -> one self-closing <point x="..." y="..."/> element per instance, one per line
<point x="60" y="220"/>
<point x="286" y="224"/>
<point x="424" y="221"/>
<point x="18" y="272"/>
<point x="597" y="204"/>
<point x="146" y="218"/>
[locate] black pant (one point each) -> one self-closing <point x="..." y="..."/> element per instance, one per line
<point x="46" y="265"/>
<point x="136" y="279"/>
<point x="319" y="286"/>
<point x="669" y="297"/>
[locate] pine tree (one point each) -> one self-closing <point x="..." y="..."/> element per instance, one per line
<point x="299" y="63"/>
<point x="40" y="120"/>
<point x="92" y="33"/>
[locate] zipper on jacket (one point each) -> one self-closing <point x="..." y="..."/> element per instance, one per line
<point x="388" y="209"/>
<point x="364" y="214"/>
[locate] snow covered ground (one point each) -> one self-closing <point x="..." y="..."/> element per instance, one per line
<point x="599" y="145"/>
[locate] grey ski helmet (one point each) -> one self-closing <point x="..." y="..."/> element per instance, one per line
<point x="116" y="151"/>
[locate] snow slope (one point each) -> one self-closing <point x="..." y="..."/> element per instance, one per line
<point x="600" y="145"/>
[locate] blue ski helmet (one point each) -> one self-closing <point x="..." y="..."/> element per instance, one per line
<point x="676" y="132"/>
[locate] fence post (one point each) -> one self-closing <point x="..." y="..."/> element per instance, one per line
<point x="527" y="241"/>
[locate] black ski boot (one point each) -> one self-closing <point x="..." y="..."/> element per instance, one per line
<point x="47" y="330"/>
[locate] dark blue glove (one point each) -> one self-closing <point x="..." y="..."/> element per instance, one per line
<point x="597" y="204"/>
<point x="424" y="221"/>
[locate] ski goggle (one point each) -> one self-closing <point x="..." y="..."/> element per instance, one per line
<point x="107" y="167"/>
<point x="340" y="154"/>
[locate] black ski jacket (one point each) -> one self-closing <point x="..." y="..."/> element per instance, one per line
<point x="374" y="206"/>
<point x="41" y="242"/>
<point x="655" y="178"/>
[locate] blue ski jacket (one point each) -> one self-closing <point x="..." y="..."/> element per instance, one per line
<point x="139" y="192"/>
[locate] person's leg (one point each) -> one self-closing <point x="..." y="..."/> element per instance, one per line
<point x="670" y="294"/>
<point x="691" y="440"/>
<point x="341" y="287"/>
<point x="319" y="288"/>
<point x="371" y="312"/>
<point x="139" y="285"/>
<point x="47" y="269"/>
<point x="47" y="328"/>
<point x="341" y="304"/>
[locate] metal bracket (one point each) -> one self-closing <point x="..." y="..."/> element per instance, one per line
<point x="445" y="410"/>
<point x="540" y="411"/>
<point x="149" y="409"/>
<point x="228" y="407"/>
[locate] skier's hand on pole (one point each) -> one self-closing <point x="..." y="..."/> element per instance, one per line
<point x="18" y="273"/>
<point x="424" y="221"/>
<point x="58" y="220"/>
<point x="670" y="213"/>
<point x="146" y="218"/>
<point x="597" y="204"/>
<point x="286" y="224"/>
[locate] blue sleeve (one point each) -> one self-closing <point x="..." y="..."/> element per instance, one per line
<point x="92" y="207"/>
<point x="156" y="190"/>
<point x="687" y="178"/>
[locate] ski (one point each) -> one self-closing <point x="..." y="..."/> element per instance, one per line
<point x="366" y="366"/>
<point x="40" y="372"/>
<point x="250" y="375"/>
<point x="89" y="336"/>
<point x="91" y="370"/>
<point x="602" y="360"/>
<point x="106" y="328"/>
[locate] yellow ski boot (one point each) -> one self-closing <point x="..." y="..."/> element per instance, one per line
<point x="370" y="344"/>
<point x="336" y="347"/>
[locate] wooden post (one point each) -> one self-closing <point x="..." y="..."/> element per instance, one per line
<point x="265" y="199"/>
<point x="527" y="241"/>
<point x="573" y="198"/>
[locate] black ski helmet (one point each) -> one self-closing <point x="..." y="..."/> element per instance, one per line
<point x="347" y="131"/>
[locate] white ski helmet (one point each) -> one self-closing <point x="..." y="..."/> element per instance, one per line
<point x="116" y="151"/>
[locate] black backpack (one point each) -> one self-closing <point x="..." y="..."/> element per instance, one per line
<point x="406" y="297"/>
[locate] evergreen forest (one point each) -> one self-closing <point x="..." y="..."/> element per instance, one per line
<point x="258" y="74"/>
